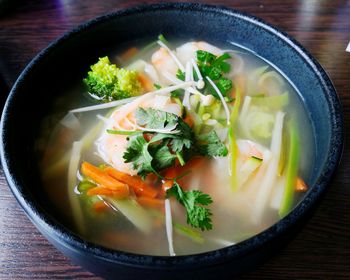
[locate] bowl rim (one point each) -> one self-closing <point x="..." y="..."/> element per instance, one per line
<point x="69" y="239"/>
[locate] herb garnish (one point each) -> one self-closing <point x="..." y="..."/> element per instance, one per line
<point x="214" y="67"/>
<point x="159" y="150"/>
<point x="194" y="200"/>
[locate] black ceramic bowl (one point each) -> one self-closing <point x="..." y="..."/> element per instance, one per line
<point x="69" y="58"/>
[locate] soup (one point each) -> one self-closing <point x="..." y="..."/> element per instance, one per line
<point x="176" y="148"/>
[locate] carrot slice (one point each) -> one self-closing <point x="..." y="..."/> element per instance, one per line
<point x="99" y="191"/>
<point x="173" y="172"/>
<point x="151" y="202"/>
<point x="102" y="178"/>
<point x="129" y="53"/>
<point x="300" y="185"/>
<point x="188" y="119"/>
<point x="100" y="206"/>
<point x="135" y="182"/>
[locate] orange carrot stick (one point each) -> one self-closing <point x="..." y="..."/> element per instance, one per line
<point x="100" y="206"/>
<point x="101" y="178"/>
<point x="129" y="53"/>
<point x="135" y="182"/>
<point x="173" y="172"/>
<point x="100" y="190"/>
<point x="151" y="202"/>
<point x="300" y="185"/>
<point x="188" y="119"/>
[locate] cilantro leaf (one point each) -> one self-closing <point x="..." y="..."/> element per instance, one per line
<point x="163" y="158"/>
<point x="194" y="201"/>
<point x="155" y="119"/>
<point x="221" y="64"/>
<point x="224" y="85"/>
<point x="137" y="153"/>
<point x="176" y="93"/>
<point x="210" y="145"/>
<point x="205" y="57"/>
<point x="157" y="86"/>
<point x="180" y="75"/>
<point x="214" y="67"/>
<point x="160" y="152"/>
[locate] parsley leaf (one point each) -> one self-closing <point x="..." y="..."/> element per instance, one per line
<point x="210" y="145"/>
<point x="194" y="201"/>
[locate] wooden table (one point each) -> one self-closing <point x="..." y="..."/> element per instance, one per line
<point x="320" y="250"/>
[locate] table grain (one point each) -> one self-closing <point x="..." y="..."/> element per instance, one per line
<point x="320" y="250"/>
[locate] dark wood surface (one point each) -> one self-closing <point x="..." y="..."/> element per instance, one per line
<point x="321" y="250"/>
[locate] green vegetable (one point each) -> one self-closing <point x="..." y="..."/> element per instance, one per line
<point x="232" y="141"/>
<point x="211" y="145"/>
<point x="160" y="152"/>
<point x="246" y="170"/>
<point x="214" y="67"/>
<point x="137" y="153"/>
<point x="180" y="75"/>
<point x="157" y="86"/>
<point x="133" y="212"/>
<point x="224" y="85"/>
<point x="107" y="82"/>
<point x="162" y="39"/>
<point x="186" y="231"/>
<point x="155" y="119"/>
<point x="189" y="232"/>
<point x="85" y="185"/>
<point x="176" y="93"/>
<point x="258" y="123"/>
<point x="122" y="132"/>
<point x="291" y="170"/>
<point x="194" y="201"/>
<point x="276" y="102"/>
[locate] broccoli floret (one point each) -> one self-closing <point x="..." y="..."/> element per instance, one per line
<point x="107" y="82"/>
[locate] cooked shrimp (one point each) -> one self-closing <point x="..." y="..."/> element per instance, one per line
<point x="111" y="147"/>
<point x="163" y="62"/>
<point x="249" y="148"/>
<point x="237" y="201"/>
<point x="187" y="51"/>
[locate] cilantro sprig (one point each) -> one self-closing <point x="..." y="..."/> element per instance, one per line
<point x="160" y="152"/>
<point x="162" y="149"/>
<point x="215" y="67"/>
<point x="152" y="152"/>
<point x="194" y="201"/>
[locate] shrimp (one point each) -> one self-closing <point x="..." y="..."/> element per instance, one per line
<point x="111" y="147"/>
<point x="188" y="51"/>
<point x="237" y="201"/>
<point x="249" y="149"/>
<point x="164" y="63"/>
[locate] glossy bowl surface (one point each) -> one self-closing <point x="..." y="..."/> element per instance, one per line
<point x="67" y="59"/>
